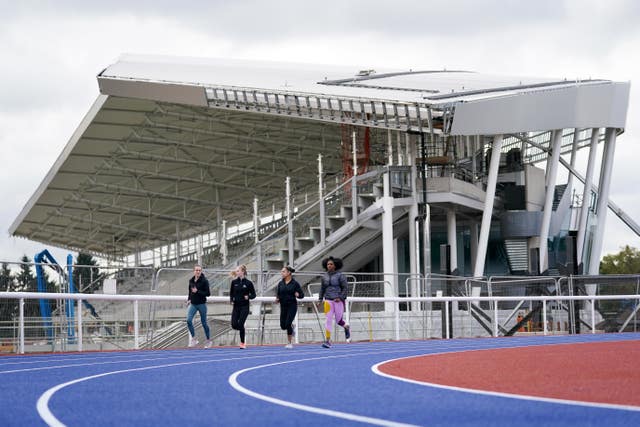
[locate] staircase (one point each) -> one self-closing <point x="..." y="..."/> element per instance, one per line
<point x="517" y="226"/>
<point x="517" y="255"/>
<point x="349" y="232"/>
<point x="346" y="235"/>
<point x="558" y="193"/>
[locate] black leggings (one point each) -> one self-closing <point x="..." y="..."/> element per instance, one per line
<point x="287" y="314"/>
<point x="238" y="317"/>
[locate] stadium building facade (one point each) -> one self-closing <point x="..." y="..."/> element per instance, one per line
<point x="398" y="172"/>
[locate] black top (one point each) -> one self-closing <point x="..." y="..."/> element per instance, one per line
<point x="241" y="288"/>
<point x="202" y="284"/>
<point x="286" y="292"/>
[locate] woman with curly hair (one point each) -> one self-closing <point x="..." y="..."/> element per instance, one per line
<point x="334" y="292"/>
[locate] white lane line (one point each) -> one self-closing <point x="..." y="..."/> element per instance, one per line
<point x="159" y="357"/>
<point x="376" y="370"/>
<point x="45" y="413"/>
<point x="115" y="357"/>
<point x="415" y="346"/>
<point x="233" y="380"/>
<point x="135" y="360"/>
<point x="43" y="402"/>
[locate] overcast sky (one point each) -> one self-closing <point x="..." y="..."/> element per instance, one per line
<point x="52" y="51"/>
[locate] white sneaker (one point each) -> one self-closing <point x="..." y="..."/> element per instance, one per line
<point x="193" y="342"/>
<point x="208" y="344"/>
<point x="288" y="346"/>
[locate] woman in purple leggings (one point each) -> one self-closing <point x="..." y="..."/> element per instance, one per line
<point x="334" y="292"/>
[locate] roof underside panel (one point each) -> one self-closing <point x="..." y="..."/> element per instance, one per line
<point x="144" y="172"/>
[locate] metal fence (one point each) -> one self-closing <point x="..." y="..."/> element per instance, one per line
<point x="451" y="317"/>
<point x="146" y="307"/>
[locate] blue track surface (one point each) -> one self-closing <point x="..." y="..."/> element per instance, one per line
<point x="228" y="386"/>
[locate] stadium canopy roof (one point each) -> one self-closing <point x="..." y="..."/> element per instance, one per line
<point x="173" y="145"/>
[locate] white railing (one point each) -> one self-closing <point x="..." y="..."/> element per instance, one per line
<point x="136" y="299"/>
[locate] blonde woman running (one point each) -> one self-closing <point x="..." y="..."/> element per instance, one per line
<point x="241" y="292"/>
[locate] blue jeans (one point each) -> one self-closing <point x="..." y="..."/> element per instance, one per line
<point x="202" y="308"/>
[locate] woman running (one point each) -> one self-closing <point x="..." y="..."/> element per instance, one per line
<point x="334" y="292"/>
<point x="288" y="290"/>
<point x="241" y="292"/>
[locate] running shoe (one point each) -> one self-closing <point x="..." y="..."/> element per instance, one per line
<point x="326" y="344"/>
<point x="289" y="346"/>
<point x="347" y="332"/>
<point x="193" y="342"/>
<point x="208" y="344"/>
<point x="243" y="346"/>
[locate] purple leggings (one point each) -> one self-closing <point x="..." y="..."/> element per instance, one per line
<point x="335" y="311"/>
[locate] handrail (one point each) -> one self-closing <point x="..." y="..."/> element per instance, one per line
<point x="333" y="192"/>
<point x="21" y="296"/>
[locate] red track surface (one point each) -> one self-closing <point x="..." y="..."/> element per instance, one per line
<point x="607" y="372"/>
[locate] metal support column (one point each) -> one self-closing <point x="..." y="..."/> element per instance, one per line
<point x="223" y="242"/>
<point x="490" y="194"/>
<point x="452" y="239"/>
<point x="473" y="236"/>
<point x="603" y="198"/>
<point x="290" y="231"/>
<point x="79" y="323"/>
<point x="586" y="194"/>
<point x="354" y="182"/>
<point x="413" y="224"/>
<point x="552" y="171"/>
<point x="323" y="228"/>
<point x="388" y="258"/>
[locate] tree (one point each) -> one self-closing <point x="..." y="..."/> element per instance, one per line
<point x="627" y="261"/>
<point x="8" y="308"/>
<point x="26" y="282"/>
<point x="86" y="276"/>
<point x="7" y="281"/>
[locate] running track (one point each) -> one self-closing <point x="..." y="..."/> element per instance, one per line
<point x="310" y="386"/>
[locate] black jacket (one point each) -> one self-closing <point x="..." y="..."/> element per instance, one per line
<point x="239" y="289"/>
<point x="286" y="293"/>
<point x="202" y="284"/>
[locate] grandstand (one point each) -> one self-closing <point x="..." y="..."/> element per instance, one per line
<point x="425" y="182"/>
